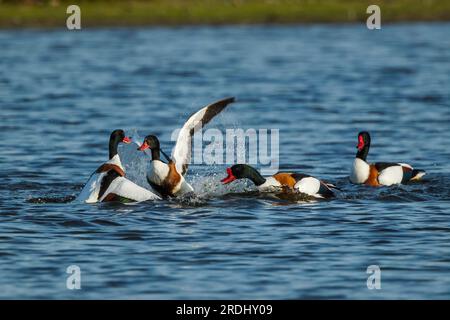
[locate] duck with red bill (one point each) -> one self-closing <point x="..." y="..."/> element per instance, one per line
<point x="168" y="178"/>
<point x="379" y="173"/>
<point x="281" y="181"/>
<point x="151" y="142"/>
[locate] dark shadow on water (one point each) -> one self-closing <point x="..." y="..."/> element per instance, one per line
<point x="279" y="198"/>
<point x="42" y="200"/>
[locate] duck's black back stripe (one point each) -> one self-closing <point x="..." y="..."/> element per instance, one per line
<point x="380" y="166"/>
<point x="299" y="176"/>
<point x="106" y="182"/>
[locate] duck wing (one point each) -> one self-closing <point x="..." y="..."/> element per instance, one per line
<point x="91" y="189"/>
<point x="108" y="183"/>
<point x="123" y="190"/>
<point x="181" y="154"/>
<point x="314" y="187"/>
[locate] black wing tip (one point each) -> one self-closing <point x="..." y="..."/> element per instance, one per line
<point x="216" y="107"/>
<point x="231" y="99"/>
<point x="333" y="186"/>
<point x="221" y="104"/>
<point x="226" y="100"/>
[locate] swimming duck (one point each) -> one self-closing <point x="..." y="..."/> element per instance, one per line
<point x="294" y="181"/>
<point x="168" y="178"/>
<point x="108" y="182"/>
<point x="379" y="173"/>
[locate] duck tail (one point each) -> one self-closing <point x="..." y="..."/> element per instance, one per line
<point x="332" y="186"/>
<point x="326" y="190"/>
<point x="417" y="174"/>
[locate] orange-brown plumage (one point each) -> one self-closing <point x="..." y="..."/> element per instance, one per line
<point x="172" y="180"/>
<point x="372" y="180"/>
<point x="108" y="166"/>
<point x="285" y="179"/>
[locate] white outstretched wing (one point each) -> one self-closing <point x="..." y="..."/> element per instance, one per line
<point x="89" y="193"/>
<point x="181" y="154"/>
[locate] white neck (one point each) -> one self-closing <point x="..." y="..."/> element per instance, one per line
<point x="116" y="161"/>
<point x="360" y="171"/>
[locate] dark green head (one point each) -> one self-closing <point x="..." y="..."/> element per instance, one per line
<point x="150" y="142"/>
<point x="117" y="136"/>
<point x="243" y="171"/>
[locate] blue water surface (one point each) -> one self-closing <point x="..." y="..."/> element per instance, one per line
<point x="63" y="92"/>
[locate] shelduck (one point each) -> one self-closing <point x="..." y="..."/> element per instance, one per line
<point x="168" y="178"/>
<point x="108" y="183"/>
<point x="294" y="181"/>
<point x="379" y="173"/>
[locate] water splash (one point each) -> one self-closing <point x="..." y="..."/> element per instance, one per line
<point x="136" y="162"/>
<point x="204" y="179"/>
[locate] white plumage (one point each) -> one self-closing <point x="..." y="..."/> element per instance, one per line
<point x="181" y="153"/>
<point x="309" y="186"/>
<point x="360" y="171"/>
<point x="391" y="175"/>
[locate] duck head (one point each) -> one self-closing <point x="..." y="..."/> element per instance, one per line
<point x="363" y="145"/>
<point x="243" y="171"/>
<point x="150" y="142"/>
<point x="117" y="136"/>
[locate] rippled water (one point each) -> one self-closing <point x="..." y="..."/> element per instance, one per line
<point x="62" y="93"/>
